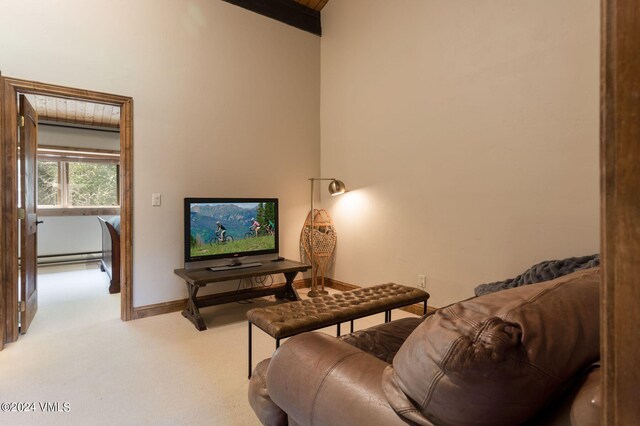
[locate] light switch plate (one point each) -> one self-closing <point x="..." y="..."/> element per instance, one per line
<point x="155" y="199"/>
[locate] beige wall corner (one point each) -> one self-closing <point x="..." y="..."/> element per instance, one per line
<point x="467" y="133"/>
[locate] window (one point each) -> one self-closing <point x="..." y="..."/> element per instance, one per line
<point x="92" y="184"/>
<point x="48" y="183"/>
<point x="70" y="179"/>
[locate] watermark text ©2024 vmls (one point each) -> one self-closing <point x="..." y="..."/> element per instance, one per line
<point x="45" y="407"/>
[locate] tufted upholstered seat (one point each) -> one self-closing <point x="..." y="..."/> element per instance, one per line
<point x="289" y="319"/>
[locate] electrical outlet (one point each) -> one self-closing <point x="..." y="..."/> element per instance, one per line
<point x="155" y="199"/>
<point x="422" y="282"/>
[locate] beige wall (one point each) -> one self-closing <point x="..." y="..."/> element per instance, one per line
<point x="226" y="103"/>
<point x="468" y="134"/>
<point x="467" y="131"/>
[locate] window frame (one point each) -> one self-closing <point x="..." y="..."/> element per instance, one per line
<point x="65" y="155"/>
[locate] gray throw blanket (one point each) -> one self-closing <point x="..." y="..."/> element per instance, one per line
<point x="543" y="271"/>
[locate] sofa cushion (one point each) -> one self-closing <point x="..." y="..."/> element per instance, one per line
<point x="499" y="358"/>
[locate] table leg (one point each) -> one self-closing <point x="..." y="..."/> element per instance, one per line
<point x="424" y="309"/>
<point x="289" y="291"/>
<point x="192" y="312"/>
<point x="352" y="326"/>
<point x="250" y="340"/>
<point x="338" y="330"/>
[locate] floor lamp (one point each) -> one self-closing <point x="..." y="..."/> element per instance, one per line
<point x="336" y="187"/>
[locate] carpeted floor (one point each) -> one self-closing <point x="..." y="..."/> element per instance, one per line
<point x="102" y="371"/>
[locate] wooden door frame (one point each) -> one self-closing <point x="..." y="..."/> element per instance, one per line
<point x="9" y="88"/>
<point x="620" y="209"/>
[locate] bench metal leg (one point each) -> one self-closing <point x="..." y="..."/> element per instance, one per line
<point x="351" y="326"/>
<point x="249" y="322"/>
<point x="277" y="343"/>
<point x="424" y="309"/>
<point x="338" y="330"/>
<point x="389" y="315"/>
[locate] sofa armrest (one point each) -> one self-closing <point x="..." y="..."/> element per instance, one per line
<point x="268" y="413"/>
<point x="316" y="378"/>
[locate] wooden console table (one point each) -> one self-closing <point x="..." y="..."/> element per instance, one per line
<point x="196" y="278"/>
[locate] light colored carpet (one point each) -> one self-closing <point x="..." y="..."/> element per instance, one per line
<point x="157" y="370"/>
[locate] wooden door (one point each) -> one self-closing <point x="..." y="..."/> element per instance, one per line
<point x="28" y="223"/>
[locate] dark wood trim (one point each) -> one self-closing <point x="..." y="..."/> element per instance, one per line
<point x="9" y="216"/>
<point x="620" y="209"/>
<point x="8" y="219"/>
<point x="159" y="309"/>
<point x="339" y="285"/>
<point x="37" y="88"/>
<point x="77" y="211"/>
<point x="3" y="252"/>
<point x="126" y="209"/>
<point x="286" y="11"/>
<point x="303" y="283"/>
<point x="179" y="305"/>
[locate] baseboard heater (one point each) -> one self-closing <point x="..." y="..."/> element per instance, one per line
<point x="69" y="258"/>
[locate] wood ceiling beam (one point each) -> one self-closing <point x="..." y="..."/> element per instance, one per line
<point x="286" y="11"/>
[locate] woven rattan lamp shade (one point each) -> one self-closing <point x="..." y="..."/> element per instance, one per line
<point x="318" y="237"/>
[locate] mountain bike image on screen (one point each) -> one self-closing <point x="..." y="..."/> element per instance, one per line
<point x="218" y="239"/>
<point x="219" y="228"/>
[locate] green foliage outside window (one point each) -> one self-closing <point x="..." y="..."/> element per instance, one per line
<point x="93" y="184"/>
<point x="83" y="184"/>
<point x="48" y="186"/>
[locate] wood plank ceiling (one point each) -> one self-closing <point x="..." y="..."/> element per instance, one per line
<point x="51" y="109"/>
<point x="313" y="4"/>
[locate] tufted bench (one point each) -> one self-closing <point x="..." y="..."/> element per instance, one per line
<point x="289" y="319"/>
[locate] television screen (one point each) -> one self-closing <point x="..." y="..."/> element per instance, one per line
<point x="218" y="228"/>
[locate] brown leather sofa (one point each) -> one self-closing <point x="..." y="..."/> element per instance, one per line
<point x="527" y="355"/>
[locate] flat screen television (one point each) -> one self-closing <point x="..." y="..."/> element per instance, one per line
<point x="221" y="233"/>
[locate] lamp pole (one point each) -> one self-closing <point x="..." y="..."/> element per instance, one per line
<point x="336" y="187"/>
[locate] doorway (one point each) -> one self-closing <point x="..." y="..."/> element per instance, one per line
<point x="10" y="215"/>
<point x="77" y="184"/>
